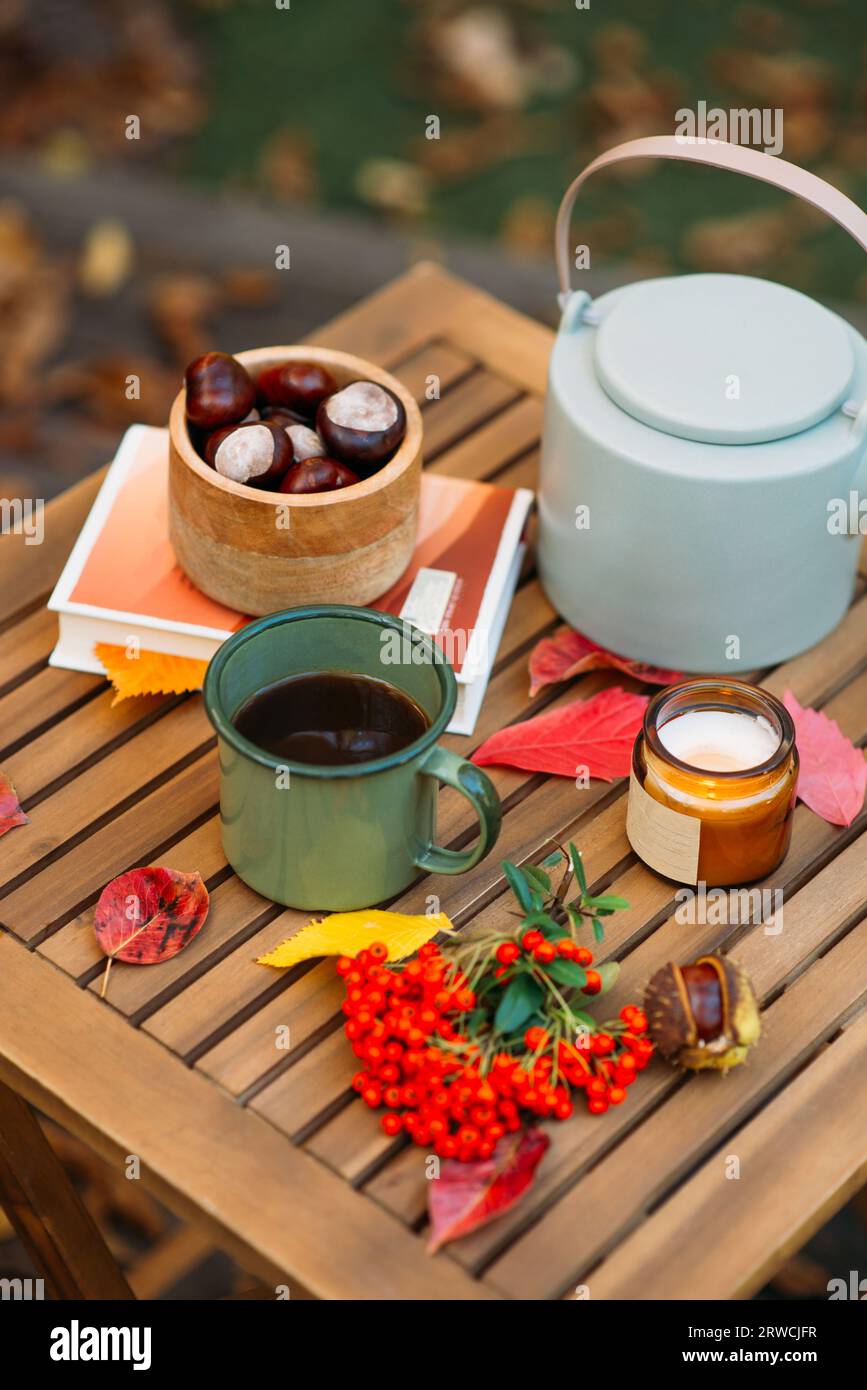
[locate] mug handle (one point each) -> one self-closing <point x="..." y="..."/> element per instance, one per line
<point x="479" y="790"/>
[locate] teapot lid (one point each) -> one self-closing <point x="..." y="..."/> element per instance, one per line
<point x="723" y="359"/>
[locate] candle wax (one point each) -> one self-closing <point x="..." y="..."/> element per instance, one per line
<point x="718" y="740"/>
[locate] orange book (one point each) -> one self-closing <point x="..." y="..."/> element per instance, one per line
<point x="122" y="586"/>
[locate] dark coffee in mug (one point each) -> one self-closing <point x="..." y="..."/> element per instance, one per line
<point x="330" y="717"/>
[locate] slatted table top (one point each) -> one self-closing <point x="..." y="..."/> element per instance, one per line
<point x="271" y="1149"/>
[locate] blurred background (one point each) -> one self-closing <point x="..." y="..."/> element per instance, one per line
<point x="154" y="155"/>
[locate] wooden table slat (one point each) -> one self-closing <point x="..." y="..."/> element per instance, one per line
<point x="63" y="887"/>
<point x="508" y="435"/>
<point x="724" y="1239"/>
<point x="42" y="700"/>
<point x="28" y="573"/>
<point x="469" y="404"/>
<point x="88" y="798"/>
<point x="266" y="1201"/>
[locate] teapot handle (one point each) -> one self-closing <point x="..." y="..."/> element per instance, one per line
<point x="739" y="158"/>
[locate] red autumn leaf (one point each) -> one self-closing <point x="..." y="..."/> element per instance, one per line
<point x="148" y="915"/>
<point x="11" y="813"/>
<point x="468" y="1195"/>
<point x="833" y="773"/>
<point x="568" y="653"/>
<point x="596" y="734"/>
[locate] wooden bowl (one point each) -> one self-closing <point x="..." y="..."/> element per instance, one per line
<point x="259" y="551"/>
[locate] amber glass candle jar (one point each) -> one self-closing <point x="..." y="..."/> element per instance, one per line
<point x="712" y="789"/>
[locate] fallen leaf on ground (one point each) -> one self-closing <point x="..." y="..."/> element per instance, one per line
<point x="149" y="915"/>
<point x="595" y="734"/>
<point x="466" y="1196"/>
<point x="11" y="813"/>
<point x="833" y="774"/>
<point x="347" y="933"/>
<point x="567" y="653"/>
<point x="106" y="258"/>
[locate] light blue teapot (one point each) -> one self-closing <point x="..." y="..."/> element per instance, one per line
<point x="703" y="451"/>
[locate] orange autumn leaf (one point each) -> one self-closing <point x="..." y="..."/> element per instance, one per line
<point x="149" y="673"/>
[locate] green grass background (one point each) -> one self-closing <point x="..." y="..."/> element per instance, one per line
<point x="338" y="71"/>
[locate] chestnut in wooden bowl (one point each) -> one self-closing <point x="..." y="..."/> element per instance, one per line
<point x="258" y="550"/>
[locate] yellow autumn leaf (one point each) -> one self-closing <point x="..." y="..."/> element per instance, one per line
<point x="149" y="673"/>
<point x="347" y="933"/>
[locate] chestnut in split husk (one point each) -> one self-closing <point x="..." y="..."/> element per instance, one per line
<point x="318" y="475"/>
<point x="298" y="385"/>
<point x="219" y="391"/>
<point x="362" y="425"/>
<point x="703" y="1015"/>
<point x="257" y="454"/>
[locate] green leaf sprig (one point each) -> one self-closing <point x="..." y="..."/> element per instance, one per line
<point x="526" y="992"/>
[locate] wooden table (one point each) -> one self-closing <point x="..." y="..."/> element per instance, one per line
<point x="271" y="1149"/>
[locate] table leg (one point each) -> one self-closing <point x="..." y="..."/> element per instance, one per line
<point x="49" y="1216"/>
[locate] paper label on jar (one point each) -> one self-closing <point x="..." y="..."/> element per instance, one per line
<point x="666" y="840"/>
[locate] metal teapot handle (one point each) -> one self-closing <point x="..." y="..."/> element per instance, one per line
<point x="739" y="158"/>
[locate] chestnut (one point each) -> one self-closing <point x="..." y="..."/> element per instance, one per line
<point x="282" y="415"/>
<point x="318" y="475"/>
<point x="219" y="391"/>
<point x="306" y="443"/>
<point x="298" y="385"/>
<point x="212" y="441"/>
<point x="703" y="1015"/>
<point x="362" y="425"/>
<point x="257" y="454"/>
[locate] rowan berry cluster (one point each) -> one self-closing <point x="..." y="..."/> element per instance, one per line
<point x="431" y="1058"/>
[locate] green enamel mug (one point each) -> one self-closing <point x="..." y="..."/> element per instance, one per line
<point x="346" y="836"/>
